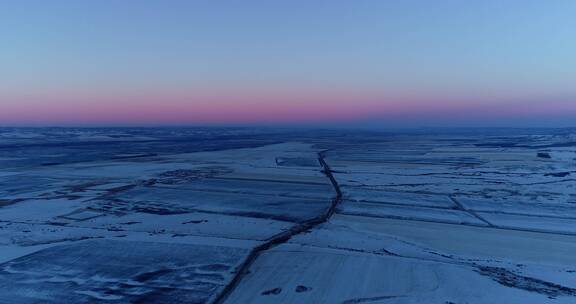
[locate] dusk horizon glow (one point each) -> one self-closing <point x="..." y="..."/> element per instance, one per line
<point x="391" y="63"/>
<point x="250" y="109"/>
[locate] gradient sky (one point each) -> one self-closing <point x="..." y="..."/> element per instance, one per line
<point x="389" y="62"/>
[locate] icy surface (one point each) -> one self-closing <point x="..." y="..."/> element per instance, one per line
<point x="206" y="215"/>
<point x="117" y="271"/>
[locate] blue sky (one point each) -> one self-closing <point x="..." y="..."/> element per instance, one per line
<point x="268" y="61"/>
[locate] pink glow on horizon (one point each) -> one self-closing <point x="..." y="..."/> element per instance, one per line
<point x="273" y="107"/>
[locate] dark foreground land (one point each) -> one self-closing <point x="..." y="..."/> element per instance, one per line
<point x="207" y="215"/>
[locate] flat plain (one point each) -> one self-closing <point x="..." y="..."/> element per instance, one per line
<point x="225" y="215"/>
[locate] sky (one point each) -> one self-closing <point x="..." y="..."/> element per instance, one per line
<point x="334" y="62"/>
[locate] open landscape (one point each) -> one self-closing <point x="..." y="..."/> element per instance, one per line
<point x="288" y="152"/>
<point x="222" y="215"/>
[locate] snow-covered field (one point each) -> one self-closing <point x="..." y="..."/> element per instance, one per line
<point x="205" y="215"/>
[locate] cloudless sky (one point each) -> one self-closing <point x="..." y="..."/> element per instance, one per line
<point x="398" y="62"/>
